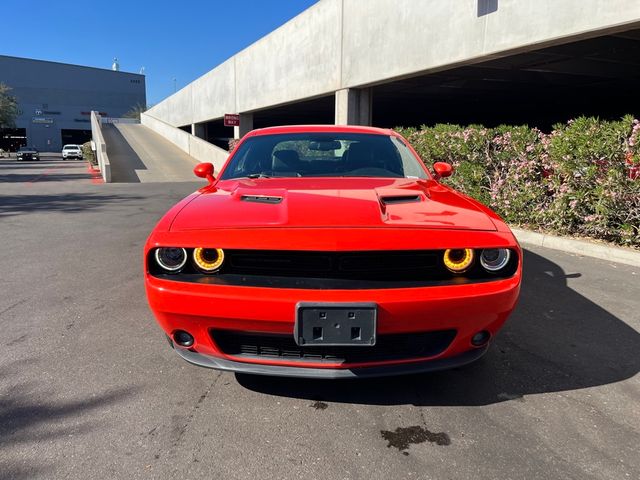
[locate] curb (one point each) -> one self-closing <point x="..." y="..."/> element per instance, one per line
<point x="580" y="247"/>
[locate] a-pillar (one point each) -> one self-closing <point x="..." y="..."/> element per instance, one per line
<point x="353" y="106"/>
<point x="246" y="125"/>
<point x="199" y="130"/>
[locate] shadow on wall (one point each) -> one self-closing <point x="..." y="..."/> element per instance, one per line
<point x="64" y="202"/>
<point x="29" y="417"/>
<point x="485" y="7"/>
<point x="556" y="340"/>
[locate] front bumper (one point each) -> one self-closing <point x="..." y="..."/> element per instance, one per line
<point x="200" y="309"/>
<point x="322" y="373"/>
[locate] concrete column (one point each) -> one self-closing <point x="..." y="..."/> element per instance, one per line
<point x="246" y="125"/>
<point x="199" y="130"/>
<point x="353" y="106"/>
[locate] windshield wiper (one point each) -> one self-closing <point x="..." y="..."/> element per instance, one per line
<point x="258" y="175"/>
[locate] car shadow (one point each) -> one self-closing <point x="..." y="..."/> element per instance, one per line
<point x="40" y="177"/>
<point x="556" y="340"/>
<point x="69" y="203"/>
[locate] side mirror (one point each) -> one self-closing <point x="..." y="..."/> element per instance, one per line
<point x="442" y="170"/>
<point x="205" y="170"/>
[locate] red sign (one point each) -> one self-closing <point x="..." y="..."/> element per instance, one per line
<point x="231" y="120"/>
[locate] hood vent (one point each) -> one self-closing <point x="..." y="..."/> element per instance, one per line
<point x="261" y="199"/>
<point x="395" y="199"/>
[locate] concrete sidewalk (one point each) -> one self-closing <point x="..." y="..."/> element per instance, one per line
<point x="586" y="248"/>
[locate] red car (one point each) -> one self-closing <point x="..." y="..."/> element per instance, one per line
<point x="330" y="252"/>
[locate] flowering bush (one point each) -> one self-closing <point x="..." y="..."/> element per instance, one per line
<point x="583" y="178"/>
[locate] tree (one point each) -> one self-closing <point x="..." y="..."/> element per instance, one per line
<point x="136" y="110"/>
<point x="8" y="107"/>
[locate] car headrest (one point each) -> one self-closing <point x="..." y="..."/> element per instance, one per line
<point x="360" y="155"/>
<point x="287" y="160"/>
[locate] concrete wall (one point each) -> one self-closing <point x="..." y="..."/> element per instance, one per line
<point x="339" y="44"/>
<point x="104" y="165"/>
<point x="199" y="149"/>
<point x="386" y="39"/>
<point x="298" y="60"/>
<point x="55" y="96"/>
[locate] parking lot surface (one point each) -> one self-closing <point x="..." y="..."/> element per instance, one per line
<point x="89" y="387"/>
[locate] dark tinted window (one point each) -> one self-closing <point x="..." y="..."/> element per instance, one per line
<point x="331" y="154"/>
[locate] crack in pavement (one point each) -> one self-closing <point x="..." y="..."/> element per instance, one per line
<point x="10" y="307"/>
<point x="183" y="429"/>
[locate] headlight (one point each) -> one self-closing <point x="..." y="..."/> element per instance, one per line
<point x="171" y="259"/>
<point x="494" y="259"/>
<point x="458" y="260"/>
<point x="208" y="260"/>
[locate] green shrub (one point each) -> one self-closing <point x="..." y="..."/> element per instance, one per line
<point x="577" y="180"/>
<point x="88" y="153"/>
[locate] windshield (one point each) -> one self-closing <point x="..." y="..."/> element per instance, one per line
<point x="330" y="154"/>
<point x="70" y="147"/>
<point x="27" y="149"/>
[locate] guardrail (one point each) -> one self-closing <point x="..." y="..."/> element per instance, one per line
<point x="100" y="147"/>
<point x="196" y="147"/>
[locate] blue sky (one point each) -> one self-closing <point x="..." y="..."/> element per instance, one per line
<point x="171" y="39"/>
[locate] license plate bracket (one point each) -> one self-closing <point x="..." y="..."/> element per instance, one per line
<point x="335" y="324"/>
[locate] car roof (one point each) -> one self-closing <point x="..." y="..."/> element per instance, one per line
<point x="320" y="129"/>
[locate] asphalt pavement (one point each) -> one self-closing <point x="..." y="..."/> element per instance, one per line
<point x="89" y="387"/>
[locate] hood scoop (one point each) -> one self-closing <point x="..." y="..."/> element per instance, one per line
<point x="396" y="199"/>
<point x="261" y="199"/>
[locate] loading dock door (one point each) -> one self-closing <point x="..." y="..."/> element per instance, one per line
<point x="77" y="137"/>
<point x="12" y="138"/>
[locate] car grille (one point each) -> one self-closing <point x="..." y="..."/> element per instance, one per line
<point x="385" y="265"/>
<point x="283" y="347"/>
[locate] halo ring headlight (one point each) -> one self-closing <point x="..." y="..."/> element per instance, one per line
<point x="171" y="259"/>
<point x="495" y="259"/>
<point x="458" y="260"/>
<point x="208" y="260"/>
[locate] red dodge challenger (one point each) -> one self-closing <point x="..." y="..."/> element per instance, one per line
<point x="330" y="252"/>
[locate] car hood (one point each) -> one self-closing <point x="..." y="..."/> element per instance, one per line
<point x="330" y="202"/>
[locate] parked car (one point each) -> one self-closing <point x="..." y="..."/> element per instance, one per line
<point x="72" y="151"/>
<point x="330" y="252"/>
<point x="27" y="153"/>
